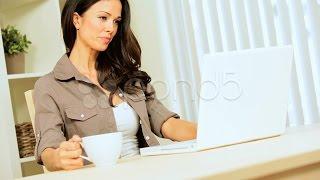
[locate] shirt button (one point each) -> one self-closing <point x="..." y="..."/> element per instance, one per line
<point x="120" y="95"/>
<point x="38" y="135"/>
<point x="140" y="122"/>
<point x="82" y="115"/>
<point x="147" y="138"/>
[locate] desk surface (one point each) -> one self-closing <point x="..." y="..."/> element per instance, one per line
<point x="298" y="147"/>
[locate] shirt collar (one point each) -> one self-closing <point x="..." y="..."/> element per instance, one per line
<point x="65" y="70"/>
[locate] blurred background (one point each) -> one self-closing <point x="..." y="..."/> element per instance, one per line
<point x="188" y="29"/>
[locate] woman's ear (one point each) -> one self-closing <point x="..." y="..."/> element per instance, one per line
<point x="76" y="20"/>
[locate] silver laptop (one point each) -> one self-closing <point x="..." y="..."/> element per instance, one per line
<point x="243" y="97"/>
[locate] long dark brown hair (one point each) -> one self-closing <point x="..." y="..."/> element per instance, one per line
<point x="118" y="66"/>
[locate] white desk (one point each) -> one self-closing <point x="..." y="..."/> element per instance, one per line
<point x="278" y="156"/>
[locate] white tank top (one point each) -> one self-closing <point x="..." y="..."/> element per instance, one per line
<point x="127" y="121"/>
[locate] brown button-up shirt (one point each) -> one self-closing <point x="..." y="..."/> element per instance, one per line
<point x="68" y="103"/>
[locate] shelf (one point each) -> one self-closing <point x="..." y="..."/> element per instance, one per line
<point x="17" y="89"/>
<point x="27" y="159"/>
<point x="26" y="75"/>
<point x="46" y="49"/>
<point x="7" y="5"/>
<point x="47" y="41"/>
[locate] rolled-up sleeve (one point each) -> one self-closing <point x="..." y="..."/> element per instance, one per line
<point x="48" y="120"/>
<point x="158" y="113"/>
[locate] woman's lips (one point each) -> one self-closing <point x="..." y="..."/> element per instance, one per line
<point x="105" y="40"/>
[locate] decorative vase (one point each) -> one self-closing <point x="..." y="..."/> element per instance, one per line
<point x="15" y="63"/>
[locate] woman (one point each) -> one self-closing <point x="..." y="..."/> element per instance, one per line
<point x="97" y="87"/>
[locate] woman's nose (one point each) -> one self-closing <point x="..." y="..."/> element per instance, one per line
<point x="109" y="26"/>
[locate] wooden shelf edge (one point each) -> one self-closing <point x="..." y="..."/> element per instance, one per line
<point x="26" y="75"/>
<point x="27" y="159"/>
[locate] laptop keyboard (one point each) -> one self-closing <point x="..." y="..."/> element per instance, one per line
<point x="179" y="145"/>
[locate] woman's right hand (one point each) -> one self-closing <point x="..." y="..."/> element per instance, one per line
<point x="68" y="154"/>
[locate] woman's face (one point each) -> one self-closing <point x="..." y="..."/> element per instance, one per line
<point x="99" y="24"/>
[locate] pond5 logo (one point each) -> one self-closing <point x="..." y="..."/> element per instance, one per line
<point x="226" y="85"/>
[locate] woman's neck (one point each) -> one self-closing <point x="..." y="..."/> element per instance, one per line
<point x="83" y="58"/>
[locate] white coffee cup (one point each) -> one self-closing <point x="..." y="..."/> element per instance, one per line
<point x="103" y="149"/>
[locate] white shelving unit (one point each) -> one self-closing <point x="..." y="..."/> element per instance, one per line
<point x="40" y="21"/>
<point x="27" y="159"/>
<point x="26" y="75"/>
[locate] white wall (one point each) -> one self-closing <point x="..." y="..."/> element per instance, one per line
<point x="149" y="32"/>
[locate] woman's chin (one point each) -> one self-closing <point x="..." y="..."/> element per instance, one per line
<point x="102" y="48"/>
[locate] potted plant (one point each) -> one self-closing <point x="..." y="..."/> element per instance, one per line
<point x="15" y="45"/>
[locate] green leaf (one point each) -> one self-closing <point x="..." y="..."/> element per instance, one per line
<point x="13" y="41"/>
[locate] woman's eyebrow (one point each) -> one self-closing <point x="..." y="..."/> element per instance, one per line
<point x="119" y="17"/>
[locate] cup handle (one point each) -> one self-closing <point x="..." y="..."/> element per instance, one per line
<point x="84" y="157"/>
